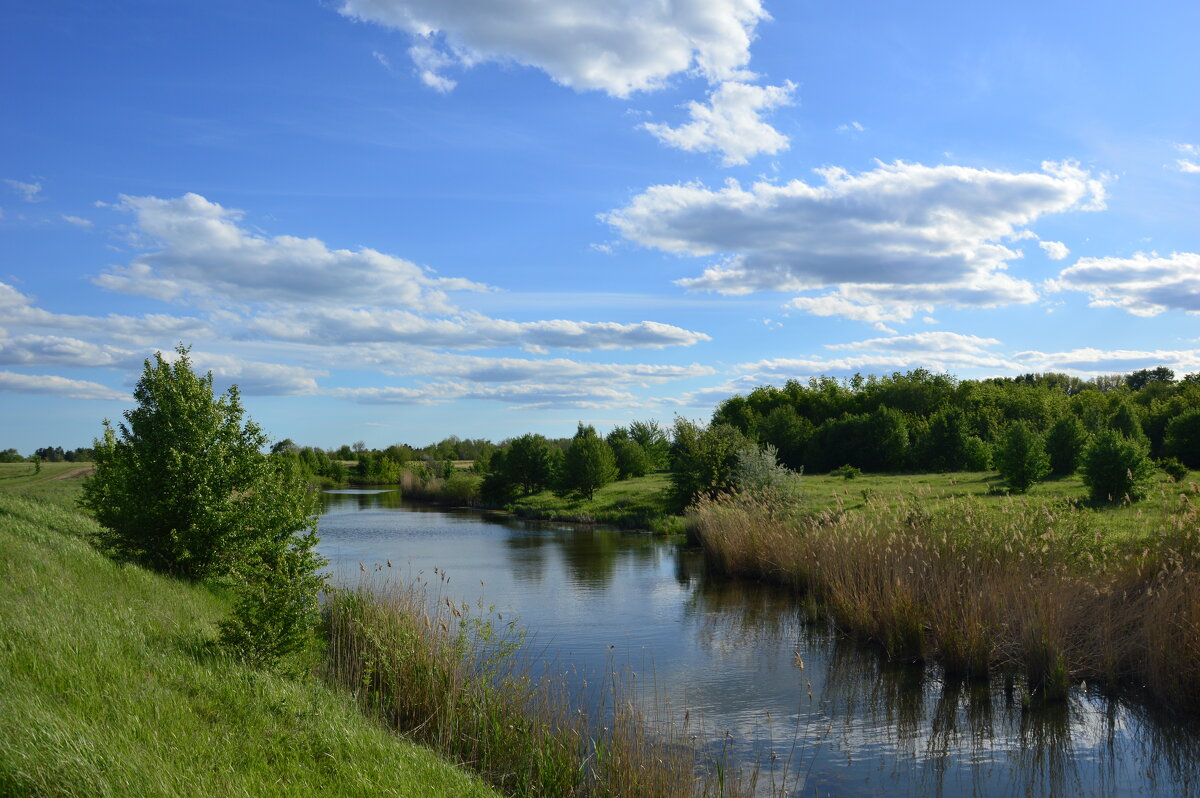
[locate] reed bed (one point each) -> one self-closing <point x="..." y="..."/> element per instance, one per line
<point x="979" y="586"/>
<point x="454" y="677"/>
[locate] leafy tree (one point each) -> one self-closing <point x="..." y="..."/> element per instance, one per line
<point x="1140" y="379"/>
<point x="654" y="440"/>
<point x="1064" y="444"/>
<point x="1125" y="421"/>
<point x="949" y="446"/>
<point x="11" y="456"/>
<point x="704" y="460"/>
<point x="631" y="458"/>
<point x="1183" y="438"/>
<point x="588" y="465"/>
<point x="183" y="486"/>
<point x="789" y="432"/>
<point x="758" y="469"/>
<point x="529" y="463"/>
<point x="1021" y="457"/>
<point x="1115" y="467"/>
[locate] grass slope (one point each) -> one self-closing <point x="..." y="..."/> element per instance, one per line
<point x="108" y="687"/>
<point x="639" y="502"/>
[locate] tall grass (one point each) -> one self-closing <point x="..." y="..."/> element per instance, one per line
<point x="453" y="677"/>
<point x="979" y="586"/>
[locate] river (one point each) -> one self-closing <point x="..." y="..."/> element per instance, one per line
<point x="817" y="712"/>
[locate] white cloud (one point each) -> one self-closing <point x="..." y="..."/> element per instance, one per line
<point x="899" y="235"/>
<point x="30" y="192"/>
<point x="1091" y="362"/>
<point x="925" y="342"/>
<point x="465" y="331"/>
<point x="619" y="47"/>
<point x="1187" y="167"/>
<point x="508" y="369"/>
<point x="731" y="123"/>
<point x="1144" y="285"/>
<point x="12" y="382"/>
<point x="54" y="350"/>
<point x="203" y="253"/>
<point x="1055" y="250"/>
<point x="524" y="396"/>
<point x="78" y="221"/>
<point x="255" y="378"/>
<point x="429" y="63"/>
<point x="383" y="60"/>
<point x="855" y="126"/>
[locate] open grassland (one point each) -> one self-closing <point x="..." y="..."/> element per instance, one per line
<point x="639" y="502"/>
<point x="1038" y="584"/>
<point x="58" y="483"/>
<point x="109" y="687"/>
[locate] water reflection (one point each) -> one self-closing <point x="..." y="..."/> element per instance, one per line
<point x="758" y="674"/>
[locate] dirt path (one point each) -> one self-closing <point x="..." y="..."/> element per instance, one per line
<point x="74" y="473"/>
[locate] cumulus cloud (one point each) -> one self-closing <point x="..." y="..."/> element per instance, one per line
<point x="899" y="236"/>
<point x="1055" y="250"/>
<point x="525" y="396"/>
<point x="56" y="350"/>
<point x="466" y="331"/>
<point x="13" y="382"/>
<point x="429" y="63"/>
<point x="30" y="192"/>
<point x="202" y="252"/>
<point x="731" y="123"/>
<point x="1143" y="285"/>
<point x="510" y="369"/>
<point x="618" y="47"/>
<point x="78" y="221"/>
<point x="255" y="378"/>
<point x="1188" y="165"/>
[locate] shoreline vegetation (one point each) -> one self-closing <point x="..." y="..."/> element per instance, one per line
<point x="404" y="696"/>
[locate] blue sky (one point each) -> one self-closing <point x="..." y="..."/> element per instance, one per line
<point x="396" y="220"/>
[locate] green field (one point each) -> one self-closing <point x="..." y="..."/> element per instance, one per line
<point x="109" y="686"/>
<point x="639" y="503"/>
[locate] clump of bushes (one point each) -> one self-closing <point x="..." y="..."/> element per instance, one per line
<point x="1117" y="468"/>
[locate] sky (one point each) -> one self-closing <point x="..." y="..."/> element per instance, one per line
<point x="399" y="220"/>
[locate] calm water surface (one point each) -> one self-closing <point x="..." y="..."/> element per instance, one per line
<point x="845" y="724"/>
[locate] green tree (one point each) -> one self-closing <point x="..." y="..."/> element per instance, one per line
<point x="1064" y="444"/>
<point x="11" y="456"/>
<point x="654" y="440"/>
<point x="588" y="464"/>
<point x="1021" y="458"/>
<point x="529" y="463"/>
<point x="631" y="458"/>
<point x="1115" y="467"/>
<point x="704" y="460"/>
<point x="1183" y="438"/>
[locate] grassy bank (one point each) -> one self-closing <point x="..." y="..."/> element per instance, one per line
<point x="1043" y="585"/>
<point x="109" y="687"/>
<point x="635" y="503"/>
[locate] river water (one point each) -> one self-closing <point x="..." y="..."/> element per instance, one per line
<point x="819" y="714"/>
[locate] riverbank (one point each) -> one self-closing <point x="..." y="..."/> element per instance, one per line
<point x="1042" y="586"/>
<point x="109" y="686"/>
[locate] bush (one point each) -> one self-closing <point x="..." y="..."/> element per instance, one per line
<point x="704" y="460"/>
<point x="1115" y="467"/>
<point x="846" y="472"/>
<point x="588" y="464"/>
<point x="632" y="459"/>
<point x="1173" y="468"/>
<point x="759" y="470"/>
<point x="1021" y="458"/>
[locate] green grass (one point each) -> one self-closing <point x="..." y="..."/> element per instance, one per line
<point x="825" y="493"/>
<point x="640" y="502"/>
<point x="108" y="686"/>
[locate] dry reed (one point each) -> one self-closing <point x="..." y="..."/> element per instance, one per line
<point x="978" y="588"/>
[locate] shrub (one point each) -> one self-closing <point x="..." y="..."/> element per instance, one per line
<point x="704" y="460"/>
<point x="1173" y="468"/>
<point x="1021" y="458"/>
<point x="632" y="460"/>
<point x="1115" y="467"/>
<point x="846" y="472"/>
<point x="588" y="464"/>
<point x="759" y="470"/>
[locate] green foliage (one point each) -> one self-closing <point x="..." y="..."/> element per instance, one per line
<point x="787" y="431"/>
<point x="1064" y="445"/>
<point x="758" y="470"/>
<point x="1021" y="457"/>
<point x="1183" y="438"/>
<point x="846" y="471"/>
<point x="704" y="460"/>
<point x="1143" y="377"/>
<point x="654" y="441"/>
<point x="949" y="446"/>
<point x="632" y="460"/>
<point x="1125" y="421"/>
<point x="1173" y="468"/>
<point x="589" y="464"/>
<point x="11" y="456"/>
<point x="1115" y="467"/>
<point x="529" y="463"/>
<point x="185" y="489"/>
